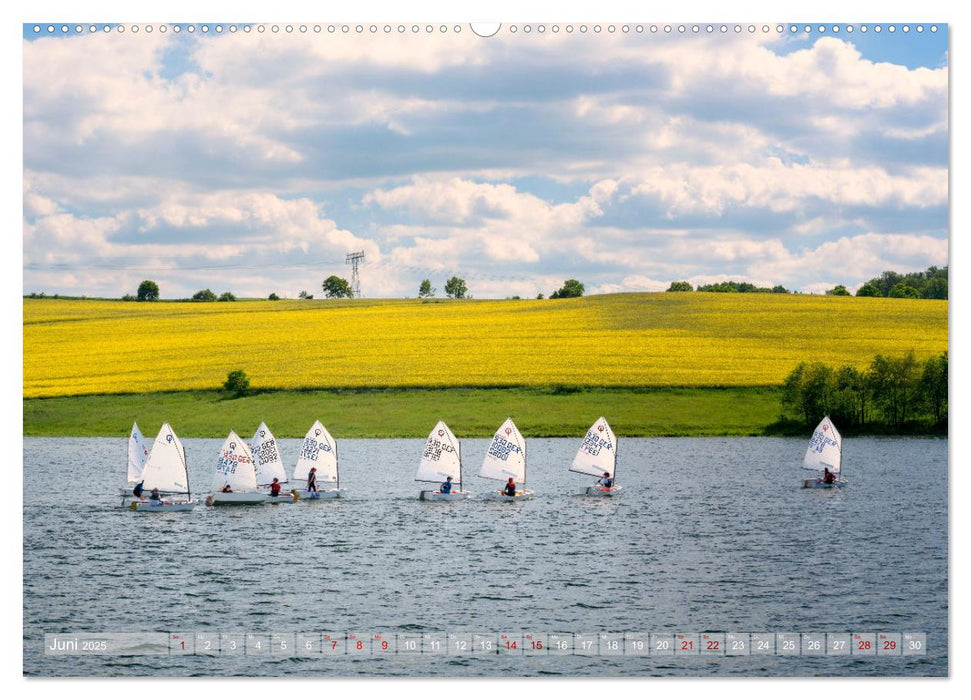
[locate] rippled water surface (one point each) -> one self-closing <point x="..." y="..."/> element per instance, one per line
<point x="710" y="534"/>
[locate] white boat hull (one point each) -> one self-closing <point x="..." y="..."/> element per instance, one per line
<point x="818" y="484"/>
<point x="439" y="496"/>
<point x="284" y="497"/>
<point x="599" y="491"/>
<point x="324" y="494"/>
<point x="247" y="498"/>
<point x="500" y="496"/>
<point x="149" y="507"/>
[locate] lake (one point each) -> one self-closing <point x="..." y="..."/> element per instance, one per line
<point x="710" y="535"/>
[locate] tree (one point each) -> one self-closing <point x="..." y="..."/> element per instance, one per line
<point x="936" y="288"/>
<point x="148" y="291"/>
<point x="869" y="290"/>
<point x="681" y="287"/>
<point x="304" y="295"/>
<point x="236" y="382"/>
<point x="901" y="290"/>
<point x="838" y="291"/>
<point x="426" y="290"/>
<point x="779" y="289"/>
<point x="887" y="281"/>
<point x="273" y="297"/>
<point x="455" y="288"/>
<point x="893" y="381"/>
<point x="570" y="288"/>
<point x="808" y="390"/>
<point x="127" y="297"/>
<point x="850" y="396"/>
<point x="204" y="295"/>
<point x="227" y="296"/>
<point x="337" y="288"/>
<point x="933" y="387"/>
<point x="540" y="295"/>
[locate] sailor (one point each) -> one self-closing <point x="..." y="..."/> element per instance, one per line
<point x="227" y="489"/>
<point x="156" y="498"/>
<point x="828" y="476"/>
<point x="446" y="486"/>
<point x="312" y="479"/>
<point x="510" y="488"/>
<point x="139" y="490"/>
<point x="606" y="481"/>
<point x="275" y="487"/>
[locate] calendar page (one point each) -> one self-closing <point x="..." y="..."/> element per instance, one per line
<point x="437" y="349"/>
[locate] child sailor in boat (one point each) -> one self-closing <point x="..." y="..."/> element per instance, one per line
<point x="446" y="487"/>
<point x="605" y="482"/>
<point x="510" y="488"/>
<point x="155" y="498"/>
<point x="275" y="487"/>
<point x="139" y="490"/>
<point x="312" y="480"/>
<point x="227" y="489"/>
<point x="828" y="476"/>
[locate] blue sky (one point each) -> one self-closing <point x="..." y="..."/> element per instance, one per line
<point x="253" y="162"/>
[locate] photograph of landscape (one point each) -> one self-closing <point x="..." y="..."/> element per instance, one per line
<point x="711" y="236"/>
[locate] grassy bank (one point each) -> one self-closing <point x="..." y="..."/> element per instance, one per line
<point x="548" y="412"/>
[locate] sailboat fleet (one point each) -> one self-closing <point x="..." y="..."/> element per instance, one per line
<point x="254" y="473"/>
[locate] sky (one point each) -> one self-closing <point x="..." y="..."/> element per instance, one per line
<point x="253" y="162"/>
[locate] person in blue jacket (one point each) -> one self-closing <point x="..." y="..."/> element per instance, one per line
<point x="446" y="486"/>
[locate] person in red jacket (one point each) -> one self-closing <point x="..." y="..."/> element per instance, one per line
<point x="510" y="489"/>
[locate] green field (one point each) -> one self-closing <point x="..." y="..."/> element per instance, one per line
<point x="412" y="413"/>
<point x="654" y="364"/>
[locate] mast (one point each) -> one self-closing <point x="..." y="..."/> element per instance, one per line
<point x="337" y="465"/>
<point x="185" y="464"/>
<point x="613" y="476"/>
<point x="459" y="450"/>
<point x="524" y="460"/>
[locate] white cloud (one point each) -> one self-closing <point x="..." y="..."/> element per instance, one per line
<point x="517" y="162"/>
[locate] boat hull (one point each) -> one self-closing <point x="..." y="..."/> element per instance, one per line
<point x="500" y="496"/>
<point x="438" y="496"/>
<point x="818" y="484"/>
<point x="600" y="491"/>
<point x="147" y="507"/>
<point x="328" y="494"/>
<point x="284" y="497"/>
<point x="249" y="498"/>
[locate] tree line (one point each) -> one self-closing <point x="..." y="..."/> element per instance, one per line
<point x="929" y="284"/>
<point x="894" y="392"/>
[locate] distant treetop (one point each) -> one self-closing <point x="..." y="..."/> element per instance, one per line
<point x="570" y="288"/>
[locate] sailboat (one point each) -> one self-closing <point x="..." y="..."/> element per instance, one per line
<point x="319" y="451"/>
<point x="597" y="456"/>
<point x="166" y="471"/>
<point x="441" y="459"/>
<point x="137" y="457"/>
<point x="235" y="470"/>
<point x="505" y="459"/>
<point x="268" y="465"/>
<point x="137" y="454"/>
<point x="825" y="452"/>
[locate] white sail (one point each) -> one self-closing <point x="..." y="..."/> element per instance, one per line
<point x="319" y="450"/>
<point x="137" y="454"/>
<point x="266" y="457"/>
<point x="598" y="451"/>
<point x="165" y="469"/>
<point x="442" y="457"/>
<point x="234" y="468"/>
<point x="825" y="448"/>
<point x="506" y="456"/>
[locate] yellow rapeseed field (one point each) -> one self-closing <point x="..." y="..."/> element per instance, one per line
<point x="74" y="347"/>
